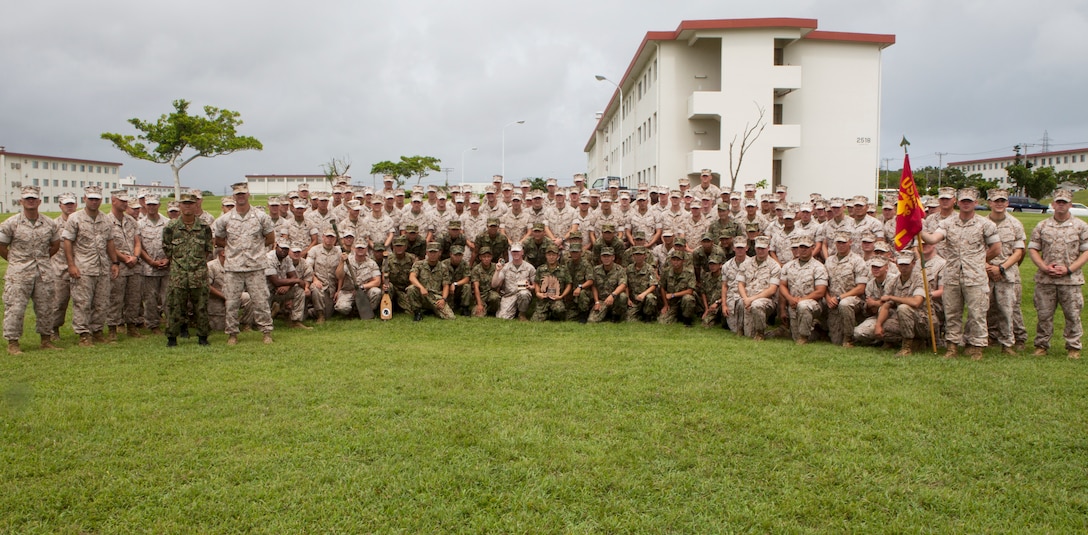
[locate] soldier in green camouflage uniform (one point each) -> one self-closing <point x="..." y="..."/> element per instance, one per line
<point x="710" y="299"/>
<point x="395" y="270"/>
<point x="461" y="298"/>
<point x="677" y="291"/>
<point x="579" y="300"/>
<point x="493" y="240"/>
<point x="609" y="289"/>
<point x="642" y="301"/>
<point x="485" y="299"/>
<point x="551" y="305"/>
<point x="536" y="245"/>
<point x="187" y="242"/>
<point x="609" y="239"/>
<point x="451" y="237"/>
<point x="430" y="285"/>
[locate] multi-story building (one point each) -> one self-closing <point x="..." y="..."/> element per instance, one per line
<point x="164" y="191"/>
<point x="281" y="184"/>
<point x="689" y="93"/>
<point x="994" y="168"/>
<point x="54" y="174"/>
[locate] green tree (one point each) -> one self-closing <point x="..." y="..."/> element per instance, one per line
<point x="408" y="166"/>
<point x="1077" y="178"/>
<point x="170" y="139"/>
<point x="538" y="182"/>
<point x="420" y="166"/>
<point x="1036" y="183"/>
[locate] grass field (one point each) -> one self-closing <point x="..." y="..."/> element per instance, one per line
<point x="480" y="425"/>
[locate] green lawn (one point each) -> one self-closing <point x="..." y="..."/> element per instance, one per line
<point x="492" y="426"/>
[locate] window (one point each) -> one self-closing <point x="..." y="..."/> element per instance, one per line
<point x="54" y="166"/>
<point x="56" y="183"/>
<point x="63" y="167"/>
<point x="115" y="170"/>
<point x="34" y="165"/>
<point x="1066" y="159"/>
<point x="99" y="169"/>
<point x="35" y="180"/>
<point x="65" y="183"/>
<point x="82" y="168"/>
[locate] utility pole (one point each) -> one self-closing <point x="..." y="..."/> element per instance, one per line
<point x="887" y="169"/>
<point x="940" y="166"/>
<point x="447" y="170"/>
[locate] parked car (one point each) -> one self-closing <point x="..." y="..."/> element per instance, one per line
<point x="1026" y="204"/>
<point x="1077" y="209"/>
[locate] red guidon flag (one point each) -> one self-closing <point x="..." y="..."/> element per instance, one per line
<point x="908" y="211"/>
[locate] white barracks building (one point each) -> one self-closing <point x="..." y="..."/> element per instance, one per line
<point x="688" y="92"/>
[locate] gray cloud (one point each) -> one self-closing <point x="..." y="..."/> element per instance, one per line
<point x="373" y="81"/>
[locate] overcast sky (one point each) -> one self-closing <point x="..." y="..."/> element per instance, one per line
<point x="370" y="81"/>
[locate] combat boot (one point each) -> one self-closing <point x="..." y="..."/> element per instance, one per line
<point x="299" y="325"/>
<point x="13" y="348"/>
<point x="321" y="318"/>
<point x="847" y="342"/>
<point x="171" y="341"/>
<point x="1039" y="352"/>
<point x="85" y="340"/>
<point x="98" y="337"/>
<point x="202" y="340"/>
<point x="47" y="343"/>
<point x="1074" y="354"/>
<point x="113" y="334"/>
<point x="975" y="352"/>
<point x="1008" y="350"/>
<point x="232" y="340"/>
<point x="952" y="351"/>
<point x="907" y="349"/>
<point x="268" y="338"/>
<point x="133" y="331"/>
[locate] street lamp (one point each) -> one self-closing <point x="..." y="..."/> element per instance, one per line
<point x="504" y="146"/>
<point x="463" y="164"/>
<point x="619" y="111"/>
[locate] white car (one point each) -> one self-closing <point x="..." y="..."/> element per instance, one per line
<point x="1077" y="209"/>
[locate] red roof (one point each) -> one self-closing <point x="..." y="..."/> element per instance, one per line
<point x="59" y="158"/>
<point x="737" y="24"/>
<point x="1022" y="156"/>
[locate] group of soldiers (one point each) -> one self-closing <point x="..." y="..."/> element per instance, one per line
<point x="758" y="266"/>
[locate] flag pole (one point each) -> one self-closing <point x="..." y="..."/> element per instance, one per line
<point x="922" y="263"/>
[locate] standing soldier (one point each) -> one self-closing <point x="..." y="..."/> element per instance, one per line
<point x="27" y="240"/>
<point x="581" y="273"/>
<point x="972" y="242"/>
<point x="246" y="234"/>
<point x="1059" y="247"/>
<point x="733" y="307"/>
<point x="186" y="244"/>
<point x="125" y="289"/>
<point x="154" y="266"/>
<point x="92" y="263"/>
<point x="1004" y="272"/>
<point x="62" y="285"/>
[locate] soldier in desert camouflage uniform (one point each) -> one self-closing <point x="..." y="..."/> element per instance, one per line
<point x="27" y="240"/>
<point x="92" y="263"/>
<point x="1059" y="247"/>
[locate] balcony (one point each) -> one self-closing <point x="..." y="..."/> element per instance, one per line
<point x="784" y="136"/>
<point x="785" y="78"/>
<point x="705" y="105"/>
<point x="704" y="159"/>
